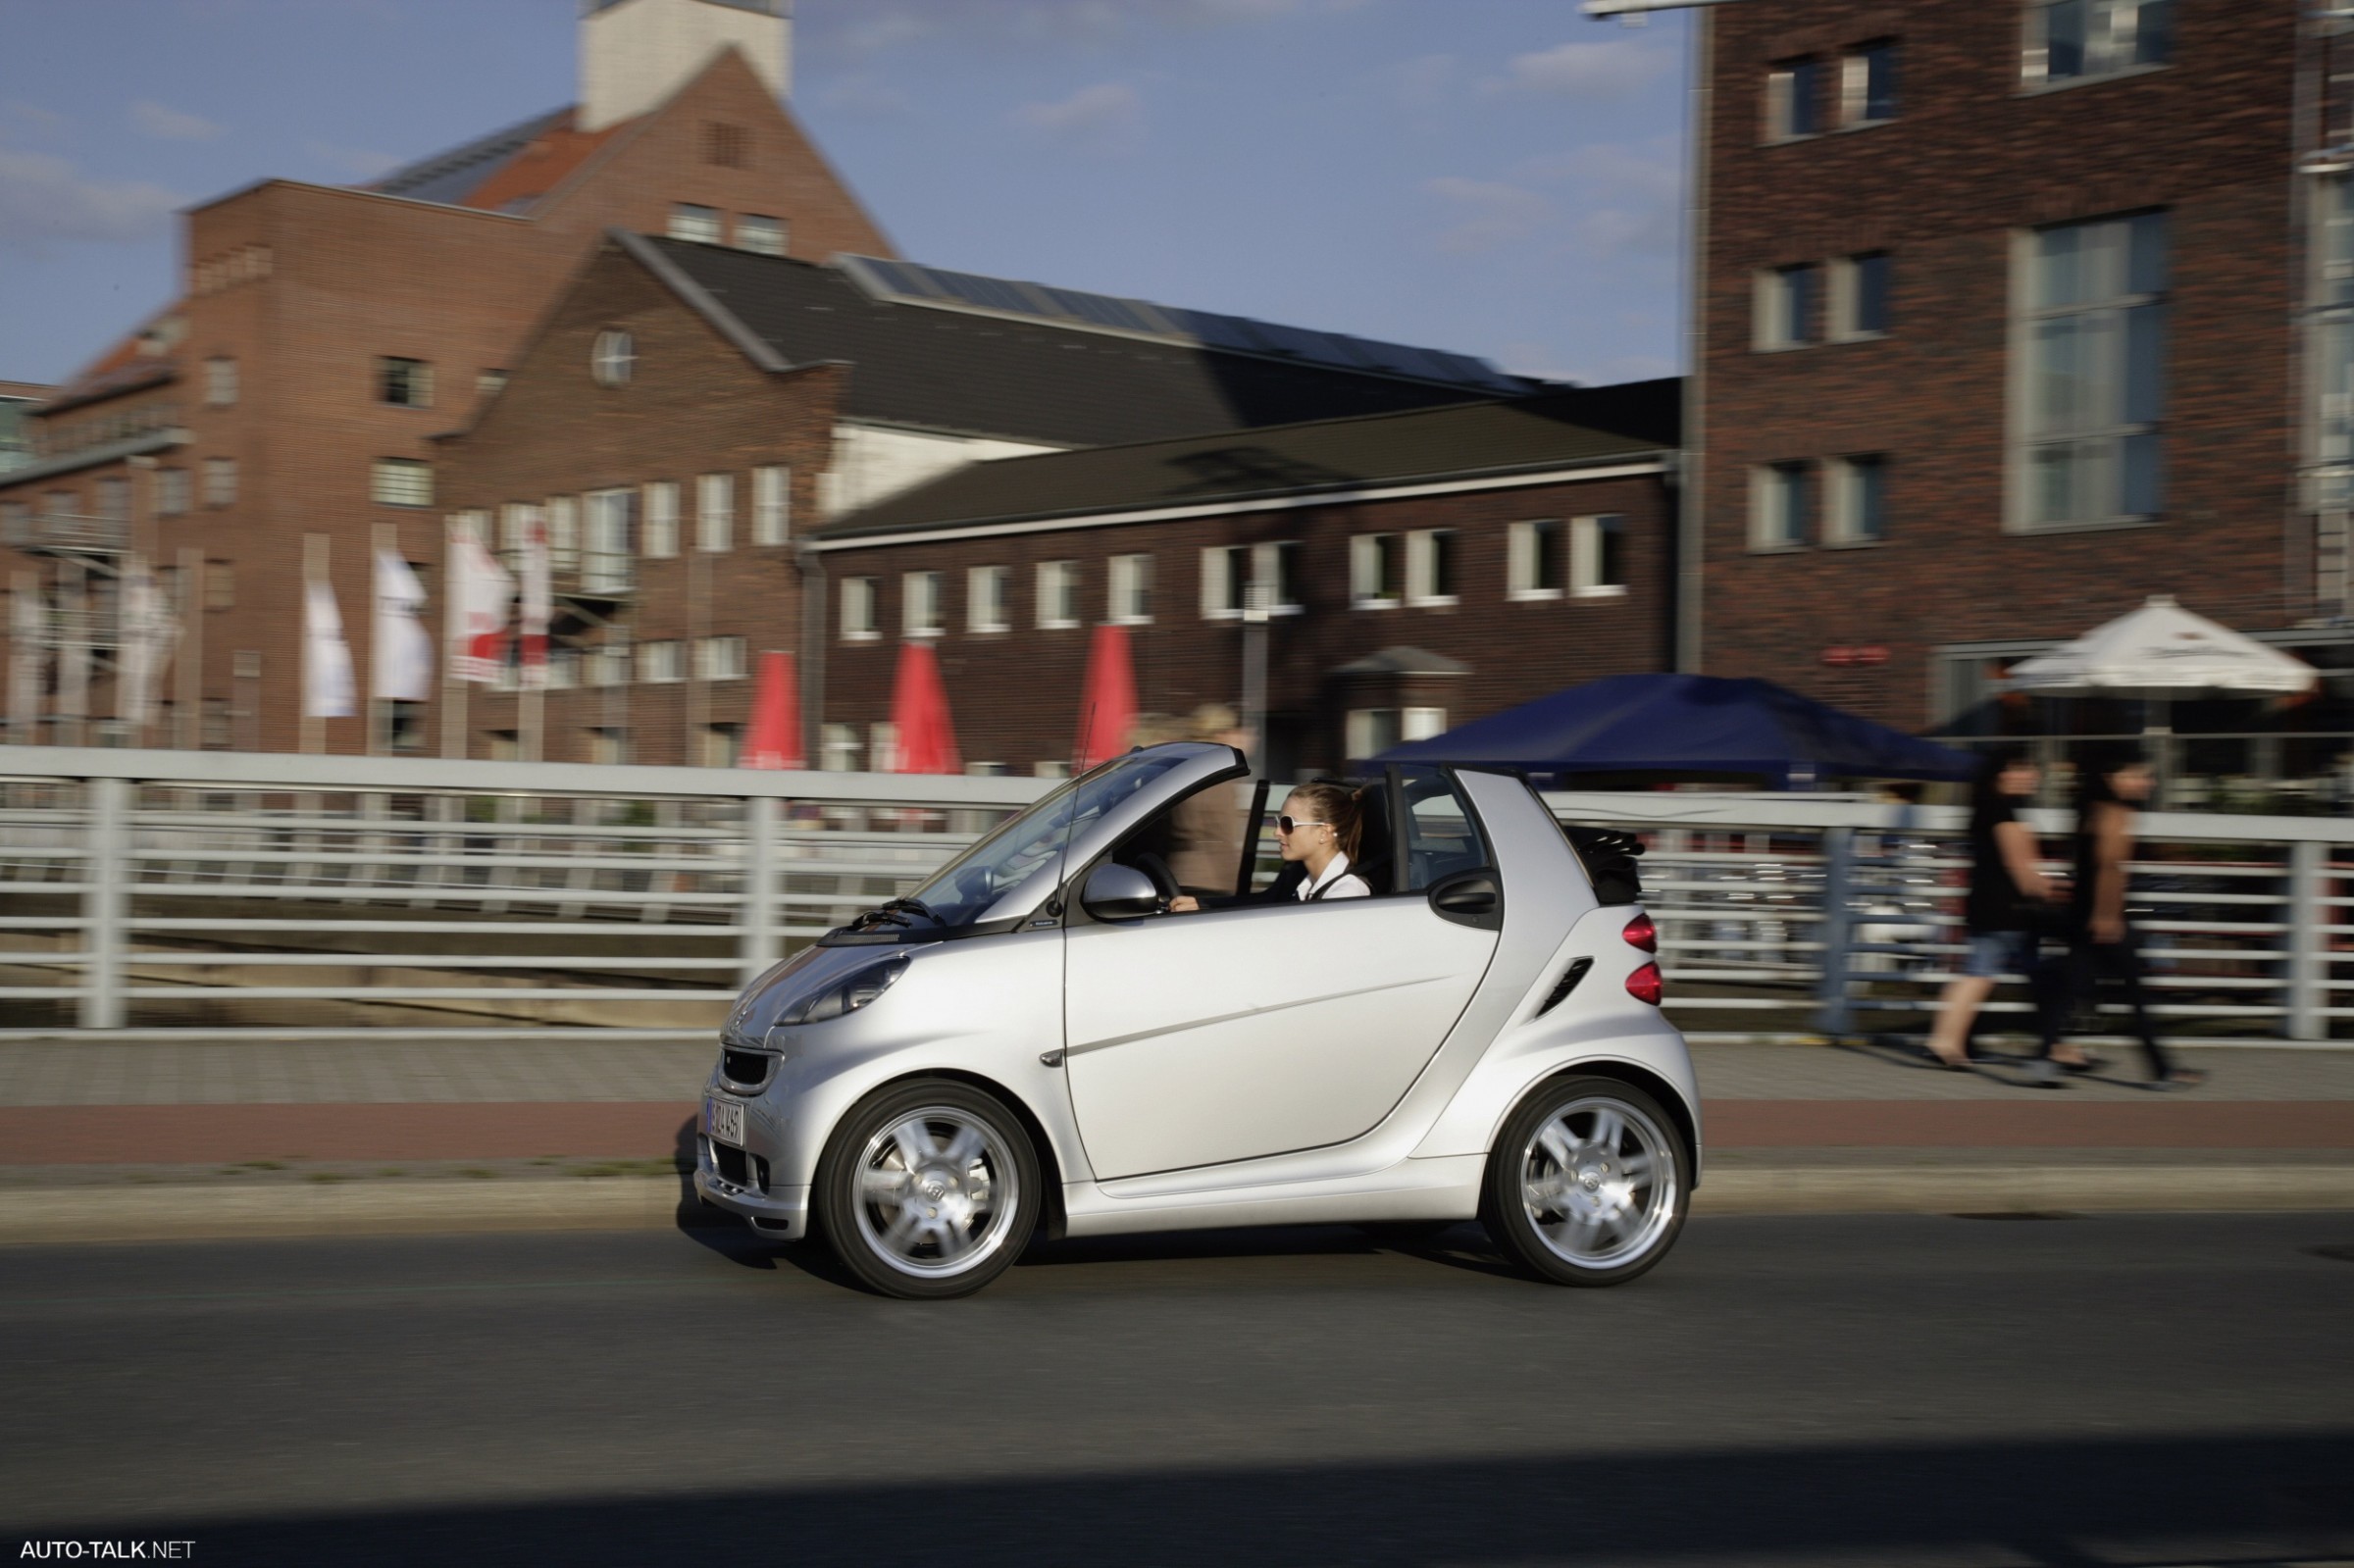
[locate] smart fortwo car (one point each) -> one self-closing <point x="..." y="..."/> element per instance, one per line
<point x="1032" y="1042"/>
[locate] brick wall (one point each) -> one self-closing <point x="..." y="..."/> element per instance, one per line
<point x="1970" y="161"/>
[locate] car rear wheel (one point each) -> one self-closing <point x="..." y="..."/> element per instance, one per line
<point x="929" y="1188"/>
<point x="1588" y="1184"/>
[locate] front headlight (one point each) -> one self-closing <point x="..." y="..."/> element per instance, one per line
<point x="846" y="995"/>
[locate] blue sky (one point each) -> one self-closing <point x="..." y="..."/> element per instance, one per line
<point x="1498" y="176"/>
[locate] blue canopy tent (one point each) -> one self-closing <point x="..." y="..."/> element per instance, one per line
<point x="1690" y="725"/>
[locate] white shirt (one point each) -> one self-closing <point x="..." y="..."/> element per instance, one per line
<point x="1336" y="876"/>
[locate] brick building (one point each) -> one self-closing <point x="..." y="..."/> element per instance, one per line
<point x="326" y="334"/>
<point x="2001" y="325"/>
<point x="1420" y="569"/>
<point x="687" y="413"/>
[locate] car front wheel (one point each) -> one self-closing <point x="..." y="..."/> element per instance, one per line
<point x="1589" y="1183"/>
<point x="928" y="1188"/>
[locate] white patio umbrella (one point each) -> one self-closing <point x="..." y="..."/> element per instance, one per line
<point x="2162" y="651"/>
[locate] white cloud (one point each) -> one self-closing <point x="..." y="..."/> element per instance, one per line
<point x="1104" y="115"/>
<point x="1619" y="68"/>
<point x="1627" y="198"/>
<point x="1489" y="213"/>
<point x="357" y="163"/>
<point x="46" y="198"/>
<point x="170" y="125"/>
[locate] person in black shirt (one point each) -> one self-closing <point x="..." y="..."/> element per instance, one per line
<point x="2006" y="887"/>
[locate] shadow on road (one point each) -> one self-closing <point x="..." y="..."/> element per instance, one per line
<point x="2071" y="1503"/>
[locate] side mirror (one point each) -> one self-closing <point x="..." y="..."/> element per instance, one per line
<point x="1119" y="892"/>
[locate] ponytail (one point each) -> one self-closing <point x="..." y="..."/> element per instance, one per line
<point x="1341" y="806"/>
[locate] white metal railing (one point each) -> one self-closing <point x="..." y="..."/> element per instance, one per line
<point x="237" y="893"/>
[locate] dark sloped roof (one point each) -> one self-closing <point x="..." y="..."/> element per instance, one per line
<point x="448" y="176"/>
<point x="1025" y="381"/>
<point x="1492" y="436"/>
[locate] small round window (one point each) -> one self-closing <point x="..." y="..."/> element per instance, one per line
<point x="615" y="356"/>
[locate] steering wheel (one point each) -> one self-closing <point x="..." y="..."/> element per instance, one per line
<point x="1164" y="881"/>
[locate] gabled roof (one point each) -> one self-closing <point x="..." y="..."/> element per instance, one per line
<point x="1019" y="379"/>
<point x="450" y="176"/>
<point x="1493" y="438"/>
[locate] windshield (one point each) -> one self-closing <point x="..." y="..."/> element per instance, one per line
<point x="1017" y="847"/>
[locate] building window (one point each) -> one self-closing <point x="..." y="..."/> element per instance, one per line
<point x="563" y="534"/>
<point x="1782" y="506"/>
<point x="2093" y="339"/>
<point x="659" y="663"/>
<point x="1370" y="732"/>
<point x="1275" y="572"/>
<point x="721" y="745"/>
<point x="772" y="505"/>
<point x="697" y="224"/>
<point x="489" y="383"/>
<point x="609" y="664"/>
<point x="1533" y="565"/>
<point x="725" y="145"/>
<point x="661" y="532"/>
<point x="171" y="491"/>
<point x="405" y="382"/>
<point x="988" y="598"/>
<point x="1793" y="99"/>
<point x="563" y="667"/>
<point x="1058" y="595"/>
<point x="838" y="749"/>
<point x="219" y="481"/>
<point x="762" y="235"/>
<point x="1129" y="601"/>
<point x="220" y="381"/>
<point x="1784" y="316"/>
<point x="920" y="609"/>
<point x="1868" y="84"/>
<point x="1860" y="297"/>
<point x="1431" y="567"/>
<point x="715" y="513"/>
<point x="1376" y="570"/>
<point x="609" y="745"/>
<point x="113" y="498"/>
<point x="401" y="482"/>
<point x="719" y="659"/>
<point x="614" y="359"/>
<point x="858" y="610"/>
<point x="1225" y="580"/>
<point x="1858" y="496"/>
<point x="514" y="531"/>
<point x="883" y="747"/>
<point x="2070" y="39"/>
<point x="219" y="586"/>
<point x="608" y="562"/>
<point x="1598" y="556"/>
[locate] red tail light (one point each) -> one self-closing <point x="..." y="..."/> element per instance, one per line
<point x="1641" y="932"/>
<point x="1647" y="985"/>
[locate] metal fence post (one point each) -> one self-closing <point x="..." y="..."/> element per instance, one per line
<point x="106" y="877"/>
<point x="760" y="886"/>
<point x="1837" y="926"/>
<point x="2308" y="941"/>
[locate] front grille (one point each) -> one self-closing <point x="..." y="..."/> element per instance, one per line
<point x="745" y="1069"/>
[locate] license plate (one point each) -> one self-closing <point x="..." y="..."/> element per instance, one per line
<point x="724" y="1121"/>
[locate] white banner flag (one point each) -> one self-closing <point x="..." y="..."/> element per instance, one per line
<point x="328" y="691"/>
<point x="27" y="659"/>
<point x="480" y="594"/>
<point x="148" y="634"/>
<point x="537" y="598"/>
<point x="401" y="655"/>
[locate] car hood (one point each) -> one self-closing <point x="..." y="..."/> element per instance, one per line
<point x="812" y="969"/>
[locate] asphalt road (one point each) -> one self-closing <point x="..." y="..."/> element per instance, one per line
<point x="1856" y="1391"/>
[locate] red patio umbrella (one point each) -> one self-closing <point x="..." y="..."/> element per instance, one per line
<point x="919" y="713"/>
<point x="1107" y="701"/>
<point x="774" y="738"/>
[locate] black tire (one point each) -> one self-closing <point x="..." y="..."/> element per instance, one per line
<point x="940" y="1227"/>
<point x="1613" y="1210"/>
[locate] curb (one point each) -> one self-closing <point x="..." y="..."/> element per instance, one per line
<point x="67" y="1216"/>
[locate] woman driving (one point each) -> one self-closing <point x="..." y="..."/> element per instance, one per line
<point x="1319" y="828"/>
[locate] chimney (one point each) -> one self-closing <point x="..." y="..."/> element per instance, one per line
<point x="636" y="53"/>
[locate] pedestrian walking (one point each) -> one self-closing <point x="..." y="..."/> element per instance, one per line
<point x="2007" y="896"/>
<point x="2102" y="942"/>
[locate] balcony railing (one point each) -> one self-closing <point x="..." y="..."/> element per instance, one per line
<point x="66" y="530"/>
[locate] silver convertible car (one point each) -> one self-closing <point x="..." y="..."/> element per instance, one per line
<point x="1034" y="1041"/>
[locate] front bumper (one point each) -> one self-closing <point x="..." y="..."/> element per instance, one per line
<point x="781" y="1213"/>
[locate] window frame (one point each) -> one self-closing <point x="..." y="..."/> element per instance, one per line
<point x="715" y="513"/>
<point x="1794" y="89"/>
<point x="693" y="215"/>
<point x="1371" y="558"/>
<point x="1843" y="483"/>
<point x="923" y="603"/>
<point x="2034" y="44"/>
<point x="1434" y="567"/>
<point x="711" y="665"/>
<point x="417" y="379"/>
<point x="988" y="611"/>
<point x="777" y="229"/>
<point x="220" y="481"/>
<point x="1780" y="319"/>
<point x="1524" y="576"/>
<point x="613" y="358"/>
<point x="1847" y="296"/>
<point x="220" y="381"/>
<point x="658" y="524"/>
<point x="1588" y="552"/>
<point x="772" y="505"/>
<point x="419" y="488"/>
<point x="1055" y="580"/>
<point x="1128" y="576"/>
<point x="1773" y="529"/>
<point x="859" y="611"/>
<point x="1855" y="85"/>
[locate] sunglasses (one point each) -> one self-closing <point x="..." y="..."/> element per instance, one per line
<point x="1293" y="824"/>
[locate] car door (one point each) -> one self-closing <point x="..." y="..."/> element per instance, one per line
<point x="1199" y="1039"/>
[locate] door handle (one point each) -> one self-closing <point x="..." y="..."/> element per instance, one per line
<point x="1470" y="898"/>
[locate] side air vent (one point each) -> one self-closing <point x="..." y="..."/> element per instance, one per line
<point x="1566" y="985"/>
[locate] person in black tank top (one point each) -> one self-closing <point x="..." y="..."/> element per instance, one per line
<point x="2006" y="888"/>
